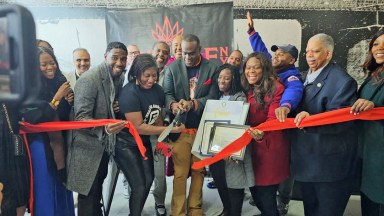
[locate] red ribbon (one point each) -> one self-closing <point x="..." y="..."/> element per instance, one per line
<point x="70" y="125"/>
<point x="331" y="117"/>
<point x="26" y="127"/>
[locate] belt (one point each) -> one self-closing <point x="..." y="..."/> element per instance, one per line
<point x="190" y="131"/>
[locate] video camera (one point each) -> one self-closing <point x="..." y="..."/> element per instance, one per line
<point x="19" y="79"/>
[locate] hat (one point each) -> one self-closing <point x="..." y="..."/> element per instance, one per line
<point x="289" y="48"/>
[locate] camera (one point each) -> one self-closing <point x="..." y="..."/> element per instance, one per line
<point x="19" y="80"/>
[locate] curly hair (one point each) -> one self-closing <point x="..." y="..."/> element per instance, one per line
<point x="265" y="86"/>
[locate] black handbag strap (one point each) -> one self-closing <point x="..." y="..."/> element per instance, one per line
<point x="8" y="120"/>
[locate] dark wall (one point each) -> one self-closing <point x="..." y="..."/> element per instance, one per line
<point x="333" y="23"/>
<point x="337" y="24"/>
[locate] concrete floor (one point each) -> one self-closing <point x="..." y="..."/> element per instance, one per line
<point x="211" y="203"/>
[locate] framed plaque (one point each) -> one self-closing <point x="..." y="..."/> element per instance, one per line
<point x="231" y="112"/>
<point x="224" y="134"/>
<point x="207" y="131"/>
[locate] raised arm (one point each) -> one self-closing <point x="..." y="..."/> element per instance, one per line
<point x="255" y="39"/>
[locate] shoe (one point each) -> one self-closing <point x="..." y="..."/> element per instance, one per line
<point x="211" y="185"/>
<point x="160" y="210"/>
<point x="283" y="208"/>
<point x="252" y="202"/>
<point x="223" y="213"/>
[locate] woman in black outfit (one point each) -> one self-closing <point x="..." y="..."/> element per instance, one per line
<point x="140" y="102"/>
<point x="14" y="173"/>
<point x="48" y="149"/>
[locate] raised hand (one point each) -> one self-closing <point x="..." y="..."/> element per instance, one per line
<point x="250" y="21"/>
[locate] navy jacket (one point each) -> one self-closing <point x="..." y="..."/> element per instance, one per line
<point x="325" y="153"/>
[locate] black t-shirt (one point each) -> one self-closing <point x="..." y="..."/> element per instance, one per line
<point x="149" y="102"/>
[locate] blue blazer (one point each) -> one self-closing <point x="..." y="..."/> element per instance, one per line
<point x="325" y="153"/>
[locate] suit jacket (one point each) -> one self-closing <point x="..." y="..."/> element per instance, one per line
<point x="325" y="153"/>
<point x="176" y="84"/>
<point x="92" y="101"/>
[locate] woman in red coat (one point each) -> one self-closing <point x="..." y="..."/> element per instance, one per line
<point x="270" y="149"/>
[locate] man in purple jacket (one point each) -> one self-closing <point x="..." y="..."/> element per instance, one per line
<point x="283" y="64"/>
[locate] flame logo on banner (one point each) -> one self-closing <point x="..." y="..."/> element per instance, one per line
<point x="167" y="32"/>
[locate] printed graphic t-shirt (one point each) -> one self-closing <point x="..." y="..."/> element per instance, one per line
<point x="149" y="102"/>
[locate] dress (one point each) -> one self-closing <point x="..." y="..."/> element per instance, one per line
<point x="371" y="141"/>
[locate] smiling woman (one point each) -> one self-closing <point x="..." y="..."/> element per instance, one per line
<point x="141" y="102"/>
<point x="371" y="135"/>
<point x="48" y="149"/>
<point x="270" y="154"/>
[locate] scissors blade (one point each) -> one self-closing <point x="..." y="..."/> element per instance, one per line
<point x="168" y="129"/>
<point x="165" y="133"/>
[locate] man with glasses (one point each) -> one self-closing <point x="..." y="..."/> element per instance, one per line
<point x="133" y="51"/>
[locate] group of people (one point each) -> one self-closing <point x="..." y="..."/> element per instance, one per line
<point x="148" y="90"/>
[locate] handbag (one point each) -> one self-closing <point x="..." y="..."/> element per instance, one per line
<point x="16" y="139"/>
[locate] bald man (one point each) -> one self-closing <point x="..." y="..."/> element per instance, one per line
<point x="82" y="63"/>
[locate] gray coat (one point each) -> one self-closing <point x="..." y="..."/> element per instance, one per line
<point x="92" y="101"/>
<point x="240" y="175"/>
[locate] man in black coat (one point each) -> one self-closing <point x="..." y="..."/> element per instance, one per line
<point x="323" y="158"/>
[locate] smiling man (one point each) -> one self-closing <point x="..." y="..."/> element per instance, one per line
<point x="89" y="152"/>
<point x="188" y="83"/>
<point x="323" y="158"/>
<point x="82" y="63"/>
<point x="161" y="54"/>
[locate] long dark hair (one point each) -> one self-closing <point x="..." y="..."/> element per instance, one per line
<point x="370" y="67"/>
<point x="49" y="87"/>
<point x="141" y="63"/>
<point x="235" y="83"/>
<point x="38" y="41"/>
<point x="265" y="87"/>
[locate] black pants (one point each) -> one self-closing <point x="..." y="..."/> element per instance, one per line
<point x="264" y="197"/>
<point x="138" y="172"/>
<point x="90" y="204"/>
<point x="326" y="198"/>
<point x="218" y="173"/>
<point x="285" y="190"/>
<point x="370" y="208"/>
